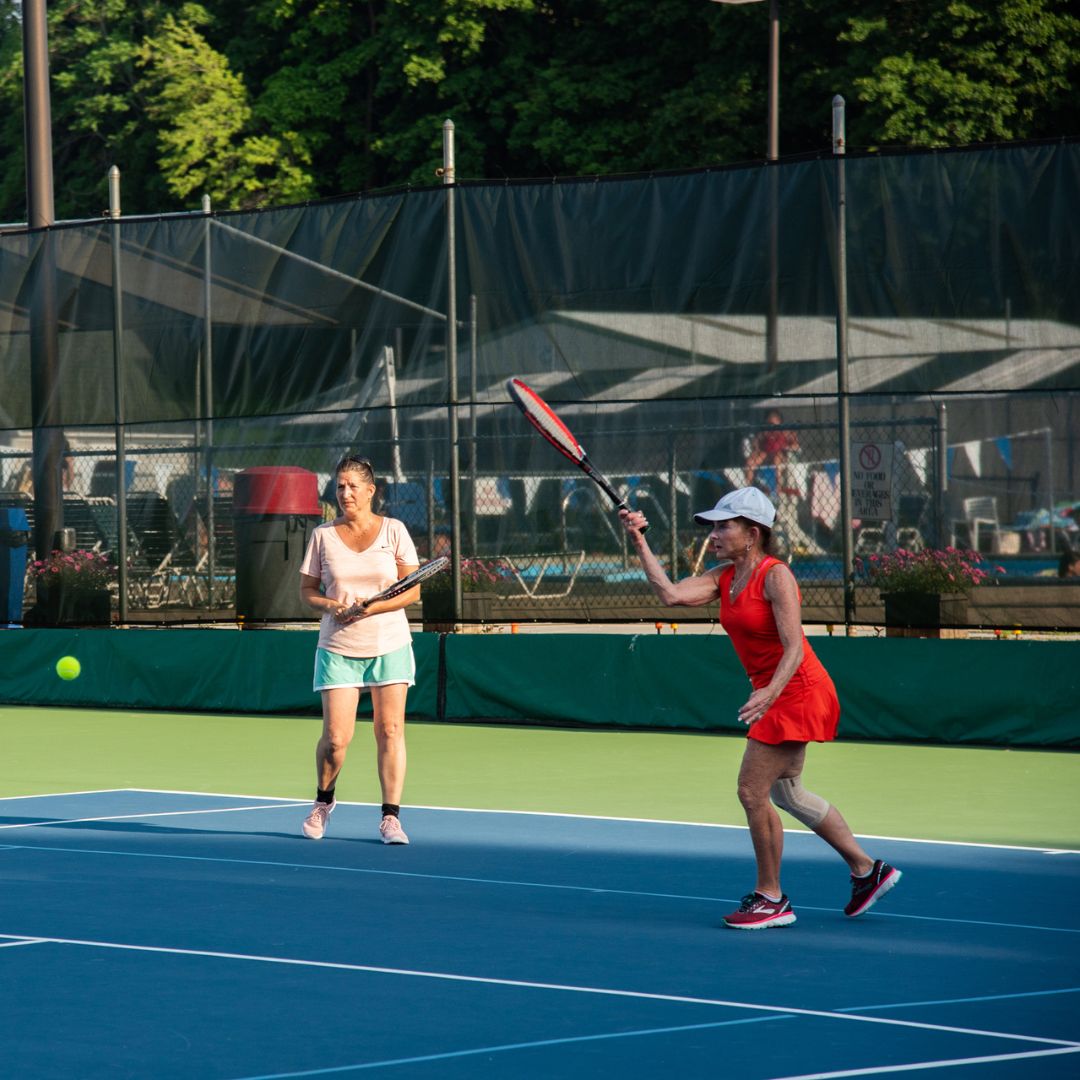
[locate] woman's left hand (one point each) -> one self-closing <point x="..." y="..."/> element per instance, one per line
<point x="349" y="612"/>
<point x="757" y="705"/>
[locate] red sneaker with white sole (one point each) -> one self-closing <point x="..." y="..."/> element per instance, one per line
<point x="757" y="912"/>
<point x="866" y="891"/>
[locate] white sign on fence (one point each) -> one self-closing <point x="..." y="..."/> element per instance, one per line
<point x="871" y="480"/>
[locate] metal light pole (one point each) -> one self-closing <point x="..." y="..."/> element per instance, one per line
<point x="208" y="410"/>
<point x="772" y="352"/>
<point x="44" y="347"/>
<point x="118" y="394"/>
<point x="772" y="155"/>
<point x="451" y="367"/>
<point x="774" y="80"/>
<point x="473" y="467"/>
<point x="839" y="147"/>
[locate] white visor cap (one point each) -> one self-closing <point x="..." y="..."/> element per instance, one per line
<point x="748" y="502"/>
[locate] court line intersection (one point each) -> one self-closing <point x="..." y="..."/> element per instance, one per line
<point x="1046" y="1046"/>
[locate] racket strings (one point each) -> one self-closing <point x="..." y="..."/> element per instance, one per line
<point x="541" y="416"/>
<point x="543" y="419"/>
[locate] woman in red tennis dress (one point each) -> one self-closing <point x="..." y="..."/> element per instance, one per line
<point x="792" y="700"/>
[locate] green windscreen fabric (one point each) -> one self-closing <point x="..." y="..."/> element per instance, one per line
<point x="184" y="670"/>
<point x="621" y="680"/>
<point x="663" y="277"/>
<point x="1013" y="693"/>
<point x="955" y="692"/>
<point x="1021" y="693"/>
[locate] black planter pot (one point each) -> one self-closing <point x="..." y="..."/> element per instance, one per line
<point x="58" y="606"/>
<point x="917" y="614"/>
<point x="438" y="609"/>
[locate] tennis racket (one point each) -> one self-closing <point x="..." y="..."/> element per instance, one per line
<point x="403" y="585"/>
<point x="542" y="417"/>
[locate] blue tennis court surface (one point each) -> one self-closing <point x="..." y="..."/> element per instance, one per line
<point x="164" y="934"/>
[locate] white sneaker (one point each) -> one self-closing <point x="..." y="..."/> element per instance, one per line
<point x="391" y="831"/>
<point x="315" y="823"/>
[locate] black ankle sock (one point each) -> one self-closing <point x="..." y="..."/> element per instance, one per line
<point x="324" y="796"/>
<point x="391" y="808"/>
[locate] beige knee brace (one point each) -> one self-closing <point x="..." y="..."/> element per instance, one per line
<point x="801" y="804"/>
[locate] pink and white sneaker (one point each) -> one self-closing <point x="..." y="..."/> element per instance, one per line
<point x="391" y="831"/>
<point x="757" y="912"/>
<point x="315" y="823"/>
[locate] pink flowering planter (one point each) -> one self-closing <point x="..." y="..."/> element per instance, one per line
<point x="926" y="592"/>
<point x="72" y="589"/>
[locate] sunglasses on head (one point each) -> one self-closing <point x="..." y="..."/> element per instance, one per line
<point x="350" y="463"/>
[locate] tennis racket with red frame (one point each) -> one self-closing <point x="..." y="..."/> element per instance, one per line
<point x="403" y="585"/>
<point x="542" y="417"/>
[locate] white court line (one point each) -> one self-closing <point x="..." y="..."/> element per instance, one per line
<point x="551" y="814"/>
<point x="878" y="913"/>
<point x="1065" y="1047"/>
<point x="509" y="883"/>
<point x="369" y="871"/>
<point x="944" y="1063"/>
<point x="275" y="802"/>
<point x="608" y="1036"/>
<point x="61" y="794"/>
<point x="503" y="1048"/>
<point x="155" y="814"/>
<point x="525" y="984"/>
<point x="151" y="791"/>
<point x="26" y="941"/>
<point x="633" y="820"/>
<point x="222" y="795"/>
<point x="964" y="1000"/>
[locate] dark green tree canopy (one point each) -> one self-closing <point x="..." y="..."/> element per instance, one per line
<point x="259" y="102"/>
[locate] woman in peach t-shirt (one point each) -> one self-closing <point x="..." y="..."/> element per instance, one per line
<point x="349" y="559"/>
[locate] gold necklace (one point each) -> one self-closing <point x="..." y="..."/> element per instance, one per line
<point x="737" y="586"/>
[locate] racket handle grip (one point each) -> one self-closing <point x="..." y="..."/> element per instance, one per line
<point x="644" y="528"/>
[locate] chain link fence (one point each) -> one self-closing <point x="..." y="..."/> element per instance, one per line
<point x="540" y="542"/>
<point x="557" y="552"/>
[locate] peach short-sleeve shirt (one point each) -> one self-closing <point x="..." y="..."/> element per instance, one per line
<point x="348" y="575"/>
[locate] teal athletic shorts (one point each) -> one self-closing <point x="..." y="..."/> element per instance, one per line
<point x="333" y="670"/>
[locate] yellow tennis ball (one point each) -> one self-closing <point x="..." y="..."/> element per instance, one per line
<point x="68" y="668"/>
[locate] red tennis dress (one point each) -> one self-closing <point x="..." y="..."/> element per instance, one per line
<point x="807" y="709"/>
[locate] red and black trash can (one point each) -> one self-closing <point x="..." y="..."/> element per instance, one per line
<point x="275" y="510"/>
